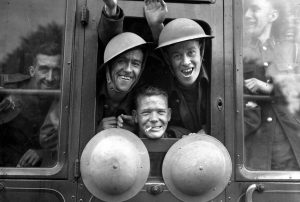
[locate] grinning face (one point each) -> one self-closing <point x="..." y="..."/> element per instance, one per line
<point x="152" y="115"/>
<point x="259" y="17"/>
<point x="46" y="72"/>
<point x="126" y="68"/>
<point x="185" y="59"/>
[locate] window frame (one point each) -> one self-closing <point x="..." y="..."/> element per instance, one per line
<point x="242" y="173"/>
<point x="60" y="170"/>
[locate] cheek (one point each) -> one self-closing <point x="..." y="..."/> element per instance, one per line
<point x="40" y="75"/>
<point x="164" y="119"/>
<point x="143" y="119"/>
<point x="175" y="63"/>
<point x="137" y="71"/>
<point x="176" y="67"/>
<point x="115" y="69"/>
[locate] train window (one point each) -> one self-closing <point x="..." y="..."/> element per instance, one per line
<point x="31" y="65"/>
<point x="271" y="78"/>
<point x="187" y="1"/>
<point x="186" y="114"/>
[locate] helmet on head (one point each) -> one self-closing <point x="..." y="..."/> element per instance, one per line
<point x="180" y="29"/>
<point x="197" y="168"/>
<point x="114" y="165"/>
<point x="117" y="45"/>
<point x="121" y="43"/>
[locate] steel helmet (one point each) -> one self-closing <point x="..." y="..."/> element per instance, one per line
<point x="180" y="29"/>
<point x="114" y="165"/>
<point x="121" y="43"/>
<point x="197" y="168"/>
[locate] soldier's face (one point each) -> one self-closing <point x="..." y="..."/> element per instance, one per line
<point x="46" y="71"/>
<point x="259" y="16"/>
<point x="126" y="68"/>
<point x="185" y="59"/>
<point x="152" y="115"/>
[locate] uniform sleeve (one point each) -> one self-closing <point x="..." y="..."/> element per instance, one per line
<point x="48" y="136"/>
<point x="110" y="27"/>
<point x="252" y="119"/>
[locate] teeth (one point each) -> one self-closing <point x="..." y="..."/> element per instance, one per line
<point x="187" y="70"/>
<point x="125" y="77"/>
<point x="156" y="127"/>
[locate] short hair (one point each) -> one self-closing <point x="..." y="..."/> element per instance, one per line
<point x="48" y="48"/>
<point x="46" y="39"/>
<point x="149" y="91"/>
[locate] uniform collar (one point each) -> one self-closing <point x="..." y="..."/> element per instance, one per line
<point x="270" y="43"/>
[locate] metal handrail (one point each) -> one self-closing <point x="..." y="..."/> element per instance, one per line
<point x="30" y="91"/>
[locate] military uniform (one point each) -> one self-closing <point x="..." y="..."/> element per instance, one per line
<point x="272" y="133"/>
<point x="20" y="124"/>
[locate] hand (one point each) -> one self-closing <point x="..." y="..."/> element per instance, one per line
<point x="202" y="131"/>
<point x="107" y="122"/>
<point x="30" y="158"/>
<point x="49" y="139"/>
<point x="257" y="86"/>
<point x="190" y="134"/>
<point x="251" y="104"/>
<point x="126" y="122"/>
<point x="110" y="7"/>
<point x="155" y="12"/>
<point x="7" y="103"/>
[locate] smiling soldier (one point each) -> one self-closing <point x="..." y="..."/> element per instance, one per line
<point x="182" y="42"/>
<point x="124" y="60"/>
<point x="152" y="113"/>
<point x="21" y="120"/>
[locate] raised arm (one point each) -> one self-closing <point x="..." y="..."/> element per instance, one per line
<point x="111" y="21"/>
<point x="155" y="13"/>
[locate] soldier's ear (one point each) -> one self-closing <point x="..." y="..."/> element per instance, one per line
<point x="31" y="71"/>
<point x="169" y="114"/>
<point x="274" y="15"/>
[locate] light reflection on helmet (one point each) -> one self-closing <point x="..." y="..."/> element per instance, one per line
<point x="180" y="29"/>
<point x="121" y="43"/>
<point x="197" y="168"/>
<point x="114" y="165"/>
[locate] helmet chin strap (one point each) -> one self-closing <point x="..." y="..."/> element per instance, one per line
<point x="110" y="84"/>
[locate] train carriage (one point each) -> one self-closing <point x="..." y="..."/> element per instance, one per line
<point x="27" y="24"/>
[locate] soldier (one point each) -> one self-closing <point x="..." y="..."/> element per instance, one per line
<point x="124" y="60"/>
<point x="272" y="133"/>
<point x="22" y="115"/>
<point x="182" y="43"/>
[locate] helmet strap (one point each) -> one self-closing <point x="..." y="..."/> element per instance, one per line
<point x="111" y="86"/>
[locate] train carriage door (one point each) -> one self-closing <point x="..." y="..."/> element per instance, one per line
<point x="36" y="148"/>
<point x="267" y="114"/>
<point x="208" y="14"/>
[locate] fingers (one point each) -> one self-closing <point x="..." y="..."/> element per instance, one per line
<point x="153" y="4"/>
<point x="252" y="84"/>
<point x="147" y="2"/>
<point x="30" y="158"/>
<point x="50" y="141"/>
<point x="23" y="161"/>
<point x="163" y="4"/>
<point x="108" y="122"/>
<point x="127" y="119"/>
<point x="120" y="121"/>
<point x="5" y="104"/>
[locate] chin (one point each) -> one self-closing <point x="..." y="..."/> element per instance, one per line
<point x="155" y="136"/>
